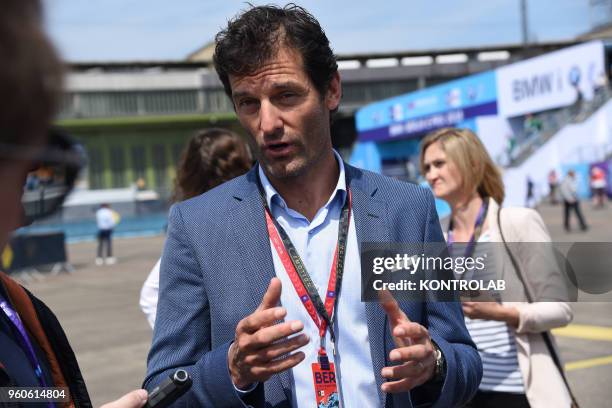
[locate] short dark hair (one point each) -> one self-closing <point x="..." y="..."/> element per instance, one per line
<point x="255" y="36"/>
<point x="212" y="156"/>
<point x="30" y="74"/>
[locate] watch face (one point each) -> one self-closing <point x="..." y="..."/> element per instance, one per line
<point x="439" y="372"/>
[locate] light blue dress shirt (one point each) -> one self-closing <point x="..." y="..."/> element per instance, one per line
<point x="316" y="242"/>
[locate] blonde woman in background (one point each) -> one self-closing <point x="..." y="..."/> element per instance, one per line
<point x="519" y="368"/>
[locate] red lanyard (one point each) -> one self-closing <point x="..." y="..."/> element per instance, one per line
<point x="322" y="315"/>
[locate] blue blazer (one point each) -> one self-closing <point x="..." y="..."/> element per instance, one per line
<point x="216" y="267"/>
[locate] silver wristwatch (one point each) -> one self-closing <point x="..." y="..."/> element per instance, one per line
<point x="440" y="364"/>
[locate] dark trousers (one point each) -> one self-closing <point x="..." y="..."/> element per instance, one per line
<point x="492" y="399"/>
<point x="567" y="208"/>
<point x="104" y="241"/>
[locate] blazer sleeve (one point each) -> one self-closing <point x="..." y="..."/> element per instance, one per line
<point x="446" y="326"/>
<point x="182" y="337"/>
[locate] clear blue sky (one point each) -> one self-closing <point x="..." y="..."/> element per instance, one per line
<point x="114" y="30"/>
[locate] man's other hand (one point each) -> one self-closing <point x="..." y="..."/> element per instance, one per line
<point x="414" y="353"/>
<point x="254" y="354"/>
<point x="134" y="399"/>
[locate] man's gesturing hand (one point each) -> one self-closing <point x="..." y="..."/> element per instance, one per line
<point x="254" y="354"/>
<point x="414" y="351"/>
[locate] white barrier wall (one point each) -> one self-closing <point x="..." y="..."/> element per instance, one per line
<point x="494" y="132"/>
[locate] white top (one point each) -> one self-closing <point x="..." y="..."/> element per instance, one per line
<point x="149" y="294"/>
<point x="496" y="344"/>
<point x="105" y="219"/>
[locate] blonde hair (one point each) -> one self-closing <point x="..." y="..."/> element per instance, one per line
<point x="469" y="155"/>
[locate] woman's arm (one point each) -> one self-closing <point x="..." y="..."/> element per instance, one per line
<point x="531" y="244"/>
<point x="149" y="294"/>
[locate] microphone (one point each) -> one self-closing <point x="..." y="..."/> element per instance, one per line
<point x="169" y="390"/>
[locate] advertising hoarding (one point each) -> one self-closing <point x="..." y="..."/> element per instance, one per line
<point x="416" y="113"/>
<point x="549" y="81"/>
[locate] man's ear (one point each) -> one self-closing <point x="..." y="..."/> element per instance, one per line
<point x="334" y="92"/>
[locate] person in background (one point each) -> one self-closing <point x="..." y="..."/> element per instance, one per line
<point x="571" y="202"/>
<point x="530" y="200"/>
<point x="106" y="219"/>
<point x="578" y="105"/>
<point x="518" y="370"/>
<point x="598" y="186"/>
<point x="553" y="184"/>
<point x="212" y="157"/>
<point x="34" y="351"/>
<point x="141" y="184"/>
<point x="600" y="88"/>
<point x="532" y="126"/>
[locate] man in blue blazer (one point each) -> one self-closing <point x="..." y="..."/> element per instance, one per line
<point x="247" y="264"/>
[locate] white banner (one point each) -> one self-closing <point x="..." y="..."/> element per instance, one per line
<point x="550" y="81"/>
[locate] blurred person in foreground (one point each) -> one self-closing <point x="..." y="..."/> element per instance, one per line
<point x="571" y="202"/>
<point x="289" y="231"/>
<point x="518" y="368"/>
<point x="212" y="157"/>
<point x="34" y="351"/>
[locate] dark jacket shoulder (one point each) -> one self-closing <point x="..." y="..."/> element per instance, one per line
<point x="63" y="352"/>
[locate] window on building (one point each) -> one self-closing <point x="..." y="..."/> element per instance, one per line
<point x="139" y="169"/>
<point x="160" y="167"/>
<point x="95" y="165"/>
<point x="67" y="105"/>
<point x="359" y="93"/>
<point x="117" y="165"/>
<point x="215" y="100"/>
<point x="99" y="104"/>
<point x="164" y="102"/>
<point x="177" y="150"/>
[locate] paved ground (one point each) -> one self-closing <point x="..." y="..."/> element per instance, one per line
<point x="586" y="345"/>
<point x="98" y="307"/>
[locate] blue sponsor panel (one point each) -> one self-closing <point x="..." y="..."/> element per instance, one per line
<point x="372" y="156"/>
<point x="366" y="156"/>
<point x="443" y="105"/>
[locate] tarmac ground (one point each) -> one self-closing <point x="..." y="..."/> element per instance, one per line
<point x="98" y="308"/>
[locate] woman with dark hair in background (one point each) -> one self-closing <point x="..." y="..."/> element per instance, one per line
<point x="518" y="355"/>
<point x="212" y="157"/>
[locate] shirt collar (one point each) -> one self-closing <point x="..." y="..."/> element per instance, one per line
<point x="273" y="196"/>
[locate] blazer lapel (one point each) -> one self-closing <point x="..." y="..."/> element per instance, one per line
<point x="371" y="226"/>
<point x="251" y="236"/>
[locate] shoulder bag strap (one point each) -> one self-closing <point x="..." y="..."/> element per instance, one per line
<point x="546" y="334"/>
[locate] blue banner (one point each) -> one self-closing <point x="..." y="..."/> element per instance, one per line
<point x="416" y="113"/>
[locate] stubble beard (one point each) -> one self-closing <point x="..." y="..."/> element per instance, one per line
<point x="285" y="171"/>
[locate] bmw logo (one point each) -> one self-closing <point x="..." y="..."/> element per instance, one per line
<point x="574" y="75"/>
